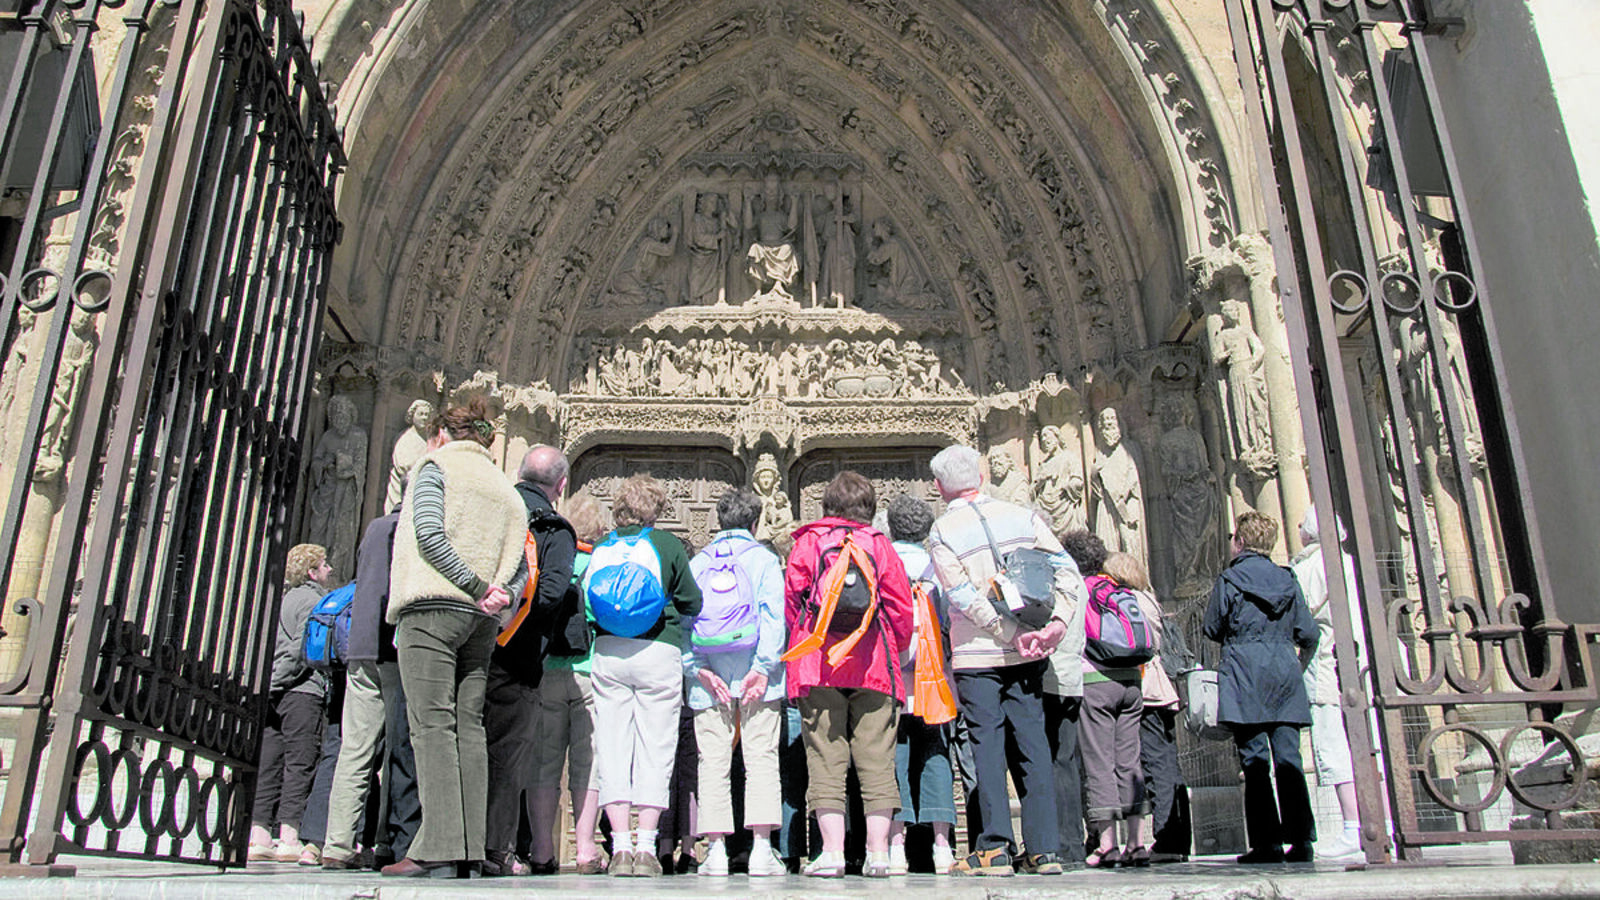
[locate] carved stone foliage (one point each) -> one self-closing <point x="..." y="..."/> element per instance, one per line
<point x="575" y="195"/>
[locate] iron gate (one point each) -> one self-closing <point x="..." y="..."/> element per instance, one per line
<point x="1410" y="433"/>
<point x="163" y="289"/>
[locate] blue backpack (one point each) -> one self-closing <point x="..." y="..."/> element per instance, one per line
<point x="623" y="584"/>
<point x="327" y="641"/>
<point x="728" y="619"/>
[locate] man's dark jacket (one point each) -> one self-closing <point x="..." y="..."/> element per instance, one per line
<point x="545" y="629"/>
<point x="372" y="638"/>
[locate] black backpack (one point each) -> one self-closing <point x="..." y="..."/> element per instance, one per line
<point x="856" y="597"/>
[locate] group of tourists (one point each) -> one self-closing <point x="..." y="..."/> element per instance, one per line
<point x="495" y="643"/>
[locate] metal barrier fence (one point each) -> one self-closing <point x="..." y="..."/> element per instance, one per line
<point x="167" y="231"/>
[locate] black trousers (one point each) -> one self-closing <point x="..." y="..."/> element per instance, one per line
<point x="1268" y="752"/>
<point x="1158" y="756"/>
<point x="290" y="746"/>
<point x="399" y="789"/>
<point x="1004" y="711"/>
<point x="1061" y="727"/>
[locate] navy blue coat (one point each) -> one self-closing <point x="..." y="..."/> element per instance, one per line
<point x="1260" y="618"/>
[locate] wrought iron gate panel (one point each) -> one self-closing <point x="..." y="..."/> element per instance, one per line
<point x="1471" y="641"/>
<point x="194" y="283"/>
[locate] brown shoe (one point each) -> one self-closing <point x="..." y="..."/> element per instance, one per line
<point x="594" y="866"/>
<point x="342" y="863"/>
<point x="410" y="868"/>
<point x="621" y="865"/>
<point x="646" y="865"/>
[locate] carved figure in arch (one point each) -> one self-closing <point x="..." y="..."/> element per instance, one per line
<point x="1118" y="497"/>
<point x="1058" y="482"/>
<point x="777" y="520"/>
<point x="338" y="477"/>
<point x="1416" y="362"/>
<point x="1238" y="350"/>
<point x="896" y="280"/>
<point x="771" y="261"/>
<point x="710" y="229"/>
<point x="839" y="253"/>
<point x="1191" y="492"/>
<point x="408" y="448"/>
<point x="647" y="279"/>
<point x="1006" y="481"/>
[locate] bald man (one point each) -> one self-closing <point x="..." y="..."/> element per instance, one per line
<point x="511" y="701"/>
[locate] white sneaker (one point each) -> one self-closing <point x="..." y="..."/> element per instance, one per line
<point x="897" y="860"/>
<point x="716" y="862"/>
<point x="944" y="859"/>
<point x="766" y="865"/>
<point x="1340" y="849"/>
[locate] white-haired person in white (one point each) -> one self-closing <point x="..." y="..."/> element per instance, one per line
<point x="1330" y="745"/>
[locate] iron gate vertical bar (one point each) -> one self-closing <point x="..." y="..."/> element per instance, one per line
<point x="1320" y="387"/>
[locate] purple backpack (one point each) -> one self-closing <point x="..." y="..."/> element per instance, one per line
<point x="1117" y="634"/>
<point x="728" y="616"/>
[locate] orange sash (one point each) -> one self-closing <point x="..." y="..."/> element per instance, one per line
<point x="932" y="699"/>
<point x="832" y="584"/>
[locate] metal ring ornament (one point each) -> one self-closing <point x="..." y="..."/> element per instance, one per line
<point x="36" y="276"/>
<point x="129" y="761"/>
<point x="1441" y="294"/>
<point x="186" y="779"/>
<point x="1579" y="767"/>
<point x="1425" y="749"/>
<point x="1362" y="291"/>
<point x="1409" y="282"/>
<point x="102" y="794"/>
<point x="212" y="824"/>
<point x="88" y="284"/>
<point x="163" y="769"/>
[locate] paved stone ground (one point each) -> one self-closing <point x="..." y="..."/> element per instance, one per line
<point x="1470" y="875"/>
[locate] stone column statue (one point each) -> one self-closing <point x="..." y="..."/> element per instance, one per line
<point x="1006" y="481"/>
<point x="709" y="230"/>
<point x="776" y="518"/>
<point x="338" y="477"/>
<point x="1058" y="482"/>
<point x="411" y="444"/>
<point x="1191" y="494"/>
<point x="71" y="375"/>
<point x="1237" y="349"/>
<point x="1118" y="499"/>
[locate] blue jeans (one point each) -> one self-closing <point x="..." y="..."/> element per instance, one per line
<point x="922" y="766"/>
<point x="792" y="829"/>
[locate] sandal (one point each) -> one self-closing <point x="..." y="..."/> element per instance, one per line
<point x="1104" y="859"/>
<point x="1136" y="857"/>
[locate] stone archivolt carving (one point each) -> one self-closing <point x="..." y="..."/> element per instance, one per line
<point x="529" y="168"/>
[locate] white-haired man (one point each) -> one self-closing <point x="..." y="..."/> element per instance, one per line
<point x="1000" y="665"/>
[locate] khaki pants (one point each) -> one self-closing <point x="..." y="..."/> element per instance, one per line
<point x="638" y="692"/>
<point x="564" y="724"/>
<point x="362" y="735"/>
<point x="758" y="725"/>
<point x="444" y="666"/>
<point x="844" y="726"/>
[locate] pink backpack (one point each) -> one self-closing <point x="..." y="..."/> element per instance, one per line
<point x="1117" y="633"/>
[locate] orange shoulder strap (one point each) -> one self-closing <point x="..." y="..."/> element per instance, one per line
<point x="932" y="699"/>
<point x="832" y="586"/>
<point x="530" y="550"/>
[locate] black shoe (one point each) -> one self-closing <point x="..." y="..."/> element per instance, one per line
<point x="1262" y="856"/>
<point x="1300" y="853"/>
<point x="550" y="867"/>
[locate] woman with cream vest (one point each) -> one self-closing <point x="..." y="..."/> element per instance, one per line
<point x="458" y="561"/>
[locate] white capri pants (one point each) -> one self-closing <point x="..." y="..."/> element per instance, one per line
<point x="638" y="692"/>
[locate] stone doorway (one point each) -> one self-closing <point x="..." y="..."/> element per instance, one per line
<point x="695" y="478"/>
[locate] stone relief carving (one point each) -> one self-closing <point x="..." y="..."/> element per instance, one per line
<point x="714" y="367"/>
<point x="770" y="260"/>
<point x="338" y="480"/>
<point x="1058" y="481"/>
<point x="408" y="448"/>
<point x="71" y="373"/>
<point x="1115" y="489"/>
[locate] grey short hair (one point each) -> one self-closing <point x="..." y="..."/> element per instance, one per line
<point x="909" y="518"/>
<point x="739" y="508"/>
<point x="958" y="468"/>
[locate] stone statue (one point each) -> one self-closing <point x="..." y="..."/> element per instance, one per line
<point x="1191" y="493"/>
<point x="776" y="518"/>
<point x="897" y="275"/>
<point x="1058" y="482"/>
<point x="1237" y="349"/>
<point x="338" y="476"/>
<point x="77" y="352"/>
<point x="646" y="280"/>
<point x="771" y="261"/>
<point x="1114" y="488"/>
<point x="1006" y="481"/>
<point x="839" y="255"/>
<point x="709" y="230"/>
